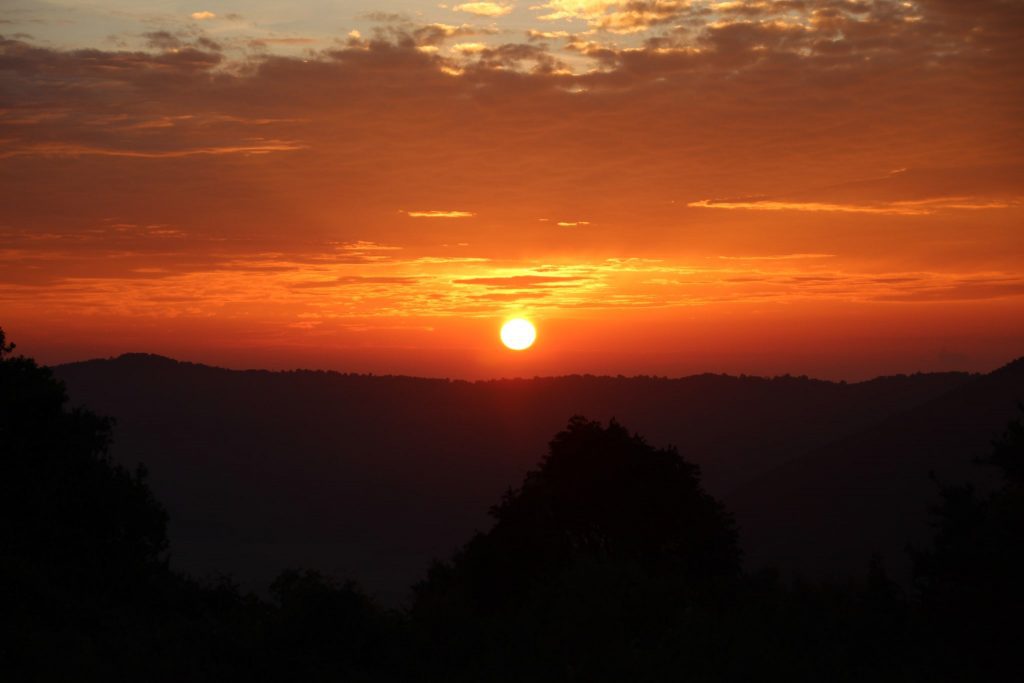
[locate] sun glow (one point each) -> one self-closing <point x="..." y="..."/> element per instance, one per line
<point x="518" y="334"/>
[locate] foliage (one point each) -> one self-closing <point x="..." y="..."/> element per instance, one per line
<point x="69" y="512"/>
<point x="88" y="593"/>
<point x="603" y="555"/>
<point x="971" y="580"/>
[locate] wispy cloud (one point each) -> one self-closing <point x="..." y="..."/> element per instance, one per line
<point x="484" y="9"/>
<point x="777" y="257"/>
<point x="469" y="48"/>
<point x="517" y="281"/>
<point x="363" y="245"/>
<point x="440" y="214"/>
<point x="58" y="149"/>
<point x="283" y="40"/>
<point x="615" y="16"/>
<point x="899" y="208"/>
<point x="354" y="280"/>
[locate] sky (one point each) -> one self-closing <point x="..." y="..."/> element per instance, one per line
<point x="665" y="187"/>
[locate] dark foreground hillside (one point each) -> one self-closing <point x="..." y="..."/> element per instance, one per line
<point x="373" y="477"/>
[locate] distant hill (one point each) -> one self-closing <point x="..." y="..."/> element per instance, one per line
<point x="373" y="476"/>
<point x="824" y="512"/>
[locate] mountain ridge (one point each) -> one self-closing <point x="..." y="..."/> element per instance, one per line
<point x="157" y="359"/>
<point x="896" y="464"/>
<point x="373" y="476"/>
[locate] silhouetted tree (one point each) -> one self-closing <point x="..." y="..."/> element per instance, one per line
<point x="87" y="593"/>
<point x="5" y="348"/>
<point x="972" y="579"/>
<point x="600" y="559"/>
<point x="69" y="512"/>
<point x="81" y="536"/>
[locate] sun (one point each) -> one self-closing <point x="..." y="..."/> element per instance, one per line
<point x="518" y="334"/>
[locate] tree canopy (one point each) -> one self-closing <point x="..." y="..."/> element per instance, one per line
<point x="68" y="512"/>
<point x="608" y="542"/>
<point x="971" y="578"/>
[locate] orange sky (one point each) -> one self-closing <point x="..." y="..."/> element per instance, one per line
<point x="826" y="187"/>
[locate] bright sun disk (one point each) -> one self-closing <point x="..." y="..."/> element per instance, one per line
<point x="518" y="334"/>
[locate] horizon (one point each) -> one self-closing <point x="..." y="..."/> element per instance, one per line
<point x="474" y="380"/>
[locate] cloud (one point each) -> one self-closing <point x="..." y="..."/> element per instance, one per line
<point x="532" y="295"/>
<point x="518" y="281"/>
<point x="434" y="34"/>
<point x="534" y="34"/>
<point x="469" y="48"/>
<point x="203" y="16"/>
<point x="283" y="40"/>
<point x="440" y="214"/>
<point x="57" y="149"/>
<point x="362" y="245"/>
<point x="902" y="208"/>
<point x="966" y="289"/>
<point x="616" y="16"/>
<point x="902" y="192"/>
<point x="770" y="205"/>
<point x="163" y="40"/>
<point x="776" y="257"/>
<point x="354" y="280"/>
<point x="484" y="9"/>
